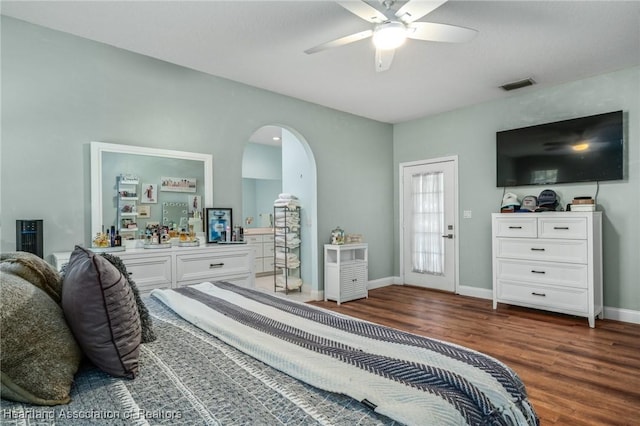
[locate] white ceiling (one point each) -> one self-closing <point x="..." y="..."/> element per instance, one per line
<point x="262" y="43"/>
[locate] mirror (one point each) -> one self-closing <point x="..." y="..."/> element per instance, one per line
<point x="261" y="176"/>
<point x="175" y="215"/>
<point x="170" y="176"/>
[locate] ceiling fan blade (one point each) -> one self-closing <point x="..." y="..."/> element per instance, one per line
<point x="430" y="31"/>
<point x="364" y="11"/>
<point x="340" y="41"/>
<point x="384" y="59"/>
<point x="416" y="9"/>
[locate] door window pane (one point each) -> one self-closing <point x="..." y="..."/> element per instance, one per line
<point x="428" y="223"/>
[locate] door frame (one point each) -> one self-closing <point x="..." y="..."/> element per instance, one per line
<point x="456" y="216"/>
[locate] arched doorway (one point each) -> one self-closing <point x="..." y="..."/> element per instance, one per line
<point x="287" y="165"/>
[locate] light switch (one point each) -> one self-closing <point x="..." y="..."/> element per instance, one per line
<point x="467" y="214"/>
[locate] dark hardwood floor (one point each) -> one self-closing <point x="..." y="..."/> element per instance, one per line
<point x="575" y="375"/>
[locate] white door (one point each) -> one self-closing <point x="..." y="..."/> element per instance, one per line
<point x="428" y="204"/>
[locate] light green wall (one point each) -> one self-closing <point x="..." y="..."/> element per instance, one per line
<point x="257" y="200"/>
<point x="262" y="161"/>
<point x="59" y="92"/>
<point x="470" y="134"/>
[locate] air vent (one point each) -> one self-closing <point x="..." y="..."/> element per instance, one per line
<point x="518" y="84"/>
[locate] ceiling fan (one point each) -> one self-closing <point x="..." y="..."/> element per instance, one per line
<point x="392" y="27"/>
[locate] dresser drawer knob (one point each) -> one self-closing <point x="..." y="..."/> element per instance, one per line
<point x="216" y="265"/>
<point x="561" y="227"/>
<point x="515" y="227"/>
<point x="533" y="271"/>
<point x="536" y="249"/>
<point x="538" y="294"/>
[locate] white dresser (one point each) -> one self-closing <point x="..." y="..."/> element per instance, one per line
<point x="179" y="266"/>
<point x="550" y="261"/>
<point x="346" y="273"/>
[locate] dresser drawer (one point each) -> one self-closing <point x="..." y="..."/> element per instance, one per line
<point x="569" y="251"/>
<point x="149" y="272"/>
<point x="560" y="299"/>
<point x="517" y="226"/>
<point x="207" y="266"/>
<point x="565" y="228"/>
<point x="550" y="273"/>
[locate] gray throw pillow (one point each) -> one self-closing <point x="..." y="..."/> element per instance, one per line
<point x="39" y="355"/>
<point x="146" y="323"/>
<point x="101" y="311"/>
<point x="33" y="269"/>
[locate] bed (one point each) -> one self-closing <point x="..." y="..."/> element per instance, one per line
<point x="229" y="355"/>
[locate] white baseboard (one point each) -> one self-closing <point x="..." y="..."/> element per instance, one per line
<point x="480" y="293"/>
<point x="617" y="314"/>
<point x="382" y="282"/>
<point x="316" y="295"/>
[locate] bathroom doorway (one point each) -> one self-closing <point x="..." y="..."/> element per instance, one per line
<point x="277" y="159"/>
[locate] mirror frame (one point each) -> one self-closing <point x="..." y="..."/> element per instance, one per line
<point x="98" y="148"/>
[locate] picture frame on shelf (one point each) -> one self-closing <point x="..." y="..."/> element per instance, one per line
<point x="218" y="220"/>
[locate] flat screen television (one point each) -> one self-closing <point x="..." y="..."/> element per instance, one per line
<point x="582" y="149"/>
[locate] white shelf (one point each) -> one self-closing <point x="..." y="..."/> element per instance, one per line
<point x="282" y="267"/>
<point x="346" y="274"/>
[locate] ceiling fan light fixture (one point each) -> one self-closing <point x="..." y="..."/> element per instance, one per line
<point x="389" y="35"/>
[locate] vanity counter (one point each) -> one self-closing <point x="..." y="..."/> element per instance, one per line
<point x="258" y="231"/>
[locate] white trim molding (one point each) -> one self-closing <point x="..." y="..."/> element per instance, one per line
<point x="382" y="282"/>
<point x="624" y="315"/>
<point x="97" y="149"/>
<point x="610" y="313"/>
<point x="456" y="217"/>
<point x="480" y="293"/>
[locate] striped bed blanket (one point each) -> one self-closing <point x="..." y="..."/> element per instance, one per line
<point x="411" y="379"/>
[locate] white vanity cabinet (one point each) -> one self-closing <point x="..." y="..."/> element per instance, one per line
<point x="262" y="243"/>
<point x="346" y="272"/>
<point x="180" y="266"/>
<point x="550" y="261"/>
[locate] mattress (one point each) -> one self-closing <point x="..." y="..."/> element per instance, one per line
<point x="408" y="378"/>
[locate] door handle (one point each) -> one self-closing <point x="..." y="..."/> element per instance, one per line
<point x="449" y="236"/>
